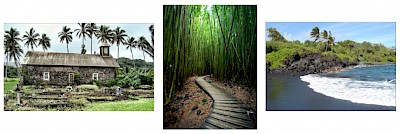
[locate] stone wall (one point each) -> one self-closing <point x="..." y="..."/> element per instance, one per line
<point x="59" y="75"/>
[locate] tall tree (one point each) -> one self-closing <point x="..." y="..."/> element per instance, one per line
<point x="104" y="34"/>
<point x="12" y="49"/>
<point x="151" y="29"/>
<point x="131" y="43"/>
<point x="150" y="48"/>
<point x="31" y="38"/>
<point x="315" y="33"/>
<point x="325" y="36"/>
<point x="44" y="41"/>
<point x="331" y="40"/>
<point x="274" y="35"/>
<point x="91" y="29"/>
<point x="82" y="33"/>
<point x="119" y="37"/>
<point x="143" y="45"/>
<point x="65" y="34"/>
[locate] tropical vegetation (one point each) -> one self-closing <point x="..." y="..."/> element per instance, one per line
<point x="134" y="74"/>
<point x="200" y="40"/>
<point x="279" y="49"/>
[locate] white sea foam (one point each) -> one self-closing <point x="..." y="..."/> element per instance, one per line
<point x="367" y="92"/>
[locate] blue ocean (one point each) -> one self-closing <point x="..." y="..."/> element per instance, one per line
<point x="361" y="84"/>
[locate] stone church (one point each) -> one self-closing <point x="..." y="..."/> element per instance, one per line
<point x="54" y="68"/>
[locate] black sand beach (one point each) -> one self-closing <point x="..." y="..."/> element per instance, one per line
<point x="286" y="92"/>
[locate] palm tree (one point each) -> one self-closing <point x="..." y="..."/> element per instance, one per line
<point x="31" y="38"/>
<point x="150" y="48"/>
<point x="315" y="33"/>
<point x="131" y="43"/>
<point x="325" y="36"/>
<point x="143" y="45"/>
<point x="274" y="35"/>
<point x="105" y="34"/>
<point x="44" y="41"/>
<point x="91" y="28"/>
<point x="151" y="29"/>
<point x="82" y="32"/>
<point x="119" y="37"/>
<point x="65" y="34"/>
<point x="12" y="49"/>
<point x="331" y="40"/>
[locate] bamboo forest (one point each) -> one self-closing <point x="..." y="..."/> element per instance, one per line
<point x="215" y="44"/>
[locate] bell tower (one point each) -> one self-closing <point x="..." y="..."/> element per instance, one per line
<point x="104" y="49"/>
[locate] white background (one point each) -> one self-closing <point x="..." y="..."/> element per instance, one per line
<point x="151" y="11"/>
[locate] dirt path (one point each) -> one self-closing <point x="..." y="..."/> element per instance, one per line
<point x="189" y="108"/>
<point x="227" y="112"/>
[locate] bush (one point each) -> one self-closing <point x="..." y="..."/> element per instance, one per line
<point x="77" y="77"/>
<point x="147" y="78"/>
<point x="25" y="75"/>
<point x="11" y="72"/>
<point x="97" y="82"/>
<point x="111" y="83"/>
<point x="128" y="80"/>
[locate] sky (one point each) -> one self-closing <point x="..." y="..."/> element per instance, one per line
<point x="374" y="32"/>
<point x="132" y="29"/>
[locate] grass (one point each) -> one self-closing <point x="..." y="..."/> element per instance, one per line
<point x="145" y="104"/>
<point x="10" y="84"/>
<point x="88" y="87"/>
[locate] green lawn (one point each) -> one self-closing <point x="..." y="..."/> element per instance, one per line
<point x="10" y="84"/>
<point x="143" y="104"/>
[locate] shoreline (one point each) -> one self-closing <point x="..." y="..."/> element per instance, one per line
<point x="287" y="92"/>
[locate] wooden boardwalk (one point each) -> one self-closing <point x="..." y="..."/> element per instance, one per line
<point x="227" y="112"/>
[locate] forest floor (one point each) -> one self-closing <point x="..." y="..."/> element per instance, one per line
<point x="244" y="94"/>
<point x="189" y="108"/>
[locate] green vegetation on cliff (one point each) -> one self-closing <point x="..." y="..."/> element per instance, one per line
<point x="347" y="50"/>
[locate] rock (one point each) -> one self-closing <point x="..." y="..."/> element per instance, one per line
<point x="311" y="63"/>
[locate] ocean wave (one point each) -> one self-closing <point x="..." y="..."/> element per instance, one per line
<point x="367" y="92"/>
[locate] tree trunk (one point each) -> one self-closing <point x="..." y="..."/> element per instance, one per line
<point x="118" y="51"/>
<point x="133" y="60"/>
<point x="91" y="43"/>
<point x="83" y="44"/>
<point x="145" y="65"/>
<point x="67" y="48"/>
<point x="5" y="68"/>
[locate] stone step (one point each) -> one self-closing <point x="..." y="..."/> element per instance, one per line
<point x="236" y="121"/>
<point x="222" y="124"/>
<point x="208" y="126"/>
<point x="232" y="114"/>
<point x="230" y="109"/>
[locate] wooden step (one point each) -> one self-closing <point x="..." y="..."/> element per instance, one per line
<point x="223" y="96"/>
<point x="227" y="112"/>
<point x="227" y="102"/>
<point x="220" y="98"/>
<point x="208" y="126"/>
<point x="228" y="105"/>
<point x="230" y="109"/>
<point x="236" y="121"/>
<point x="232" y="114"/>
<point x="222" y="124"/>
